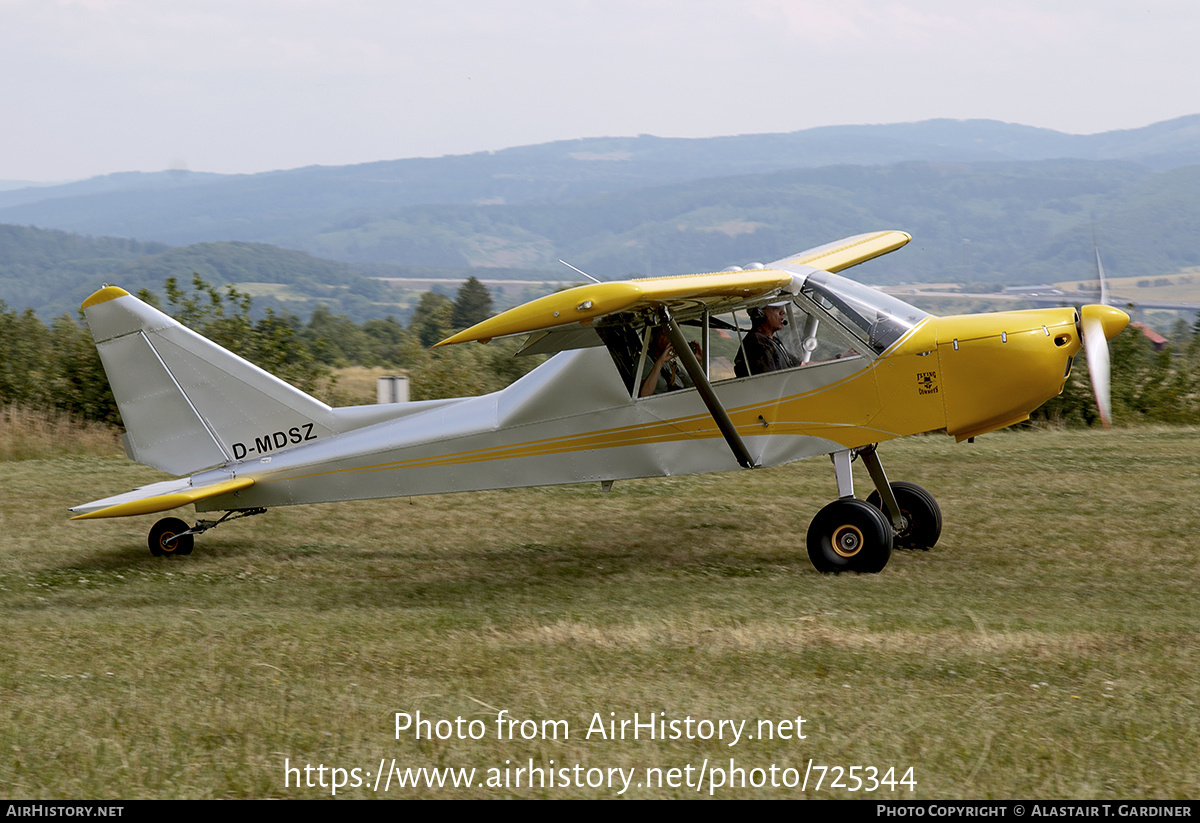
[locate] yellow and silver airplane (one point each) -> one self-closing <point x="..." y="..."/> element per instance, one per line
<point x="861" y="368"/>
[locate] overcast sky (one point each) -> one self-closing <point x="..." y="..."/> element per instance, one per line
<point x="97" y="86"/>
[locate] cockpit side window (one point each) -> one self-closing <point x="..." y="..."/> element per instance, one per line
<point x="830" y="319"/>
<point x="876" y="318"/>
<point x="806" y="338"/>
<point x="816" y="339"/>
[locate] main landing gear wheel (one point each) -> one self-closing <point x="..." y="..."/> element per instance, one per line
<point x="167" y="537"/>
<point x="922" y="517"/>
<point x="850" y="535"/>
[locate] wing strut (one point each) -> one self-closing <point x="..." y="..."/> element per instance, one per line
<point x="700" y="379"/>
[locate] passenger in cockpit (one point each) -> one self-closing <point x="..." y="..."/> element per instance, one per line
<point x="666" y="374"/>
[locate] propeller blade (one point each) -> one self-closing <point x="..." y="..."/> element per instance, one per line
<point x="1098" y="325"/>
<point x="1100" y="275"/>
<point x="1099" y="370"/>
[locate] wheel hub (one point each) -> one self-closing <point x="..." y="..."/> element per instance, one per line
<point x="847" y="541"/>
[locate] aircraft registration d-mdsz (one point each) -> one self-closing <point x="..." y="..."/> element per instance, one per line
<point x="850" y="368"/>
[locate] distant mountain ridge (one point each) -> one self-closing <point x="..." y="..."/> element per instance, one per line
<point x="1160" y="145"/>
<point x="986" y="201"/>
<point x="557" y="171"/>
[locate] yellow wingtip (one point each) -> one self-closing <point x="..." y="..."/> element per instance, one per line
<point x="104" y="295"/>
<point x="855" y="250"/>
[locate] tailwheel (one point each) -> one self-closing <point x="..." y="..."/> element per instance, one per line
<point x="167" y="537"/>
<point x="850" y="535"/>
<point x="922" y="517"/>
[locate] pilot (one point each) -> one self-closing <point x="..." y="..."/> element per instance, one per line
<point x="667" y="374"/>
<point x="761" y="350"/>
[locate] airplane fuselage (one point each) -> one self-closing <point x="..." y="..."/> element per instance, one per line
<point x="573" y="420"/>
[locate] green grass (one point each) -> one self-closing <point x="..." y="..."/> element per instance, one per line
<point x="1048" y="647"/>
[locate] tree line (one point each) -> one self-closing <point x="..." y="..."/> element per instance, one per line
<point x="55" y="366"/>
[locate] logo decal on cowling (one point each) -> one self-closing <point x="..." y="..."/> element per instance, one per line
<point x="927" y="382"/>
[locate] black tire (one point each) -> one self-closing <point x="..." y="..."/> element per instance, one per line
<point x="850" y="536"/>
<point x="923" y="517"/>
<point x="163" y="540"/>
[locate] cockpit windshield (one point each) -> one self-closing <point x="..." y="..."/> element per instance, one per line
<point x="878" y="318"/>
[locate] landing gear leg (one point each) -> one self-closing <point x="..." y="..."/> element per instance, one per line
<point x="922" y="516"/>
<point x="914" y="513"/>
<point x="851" y="535"/>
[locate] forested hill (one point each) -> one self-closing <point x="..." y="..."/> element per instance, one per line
<point x="53" y="271"/>
<point x="988" y="223"/>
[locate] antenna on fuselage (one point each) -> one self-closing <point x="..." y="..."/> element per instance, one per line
<point x="581" y="271"/>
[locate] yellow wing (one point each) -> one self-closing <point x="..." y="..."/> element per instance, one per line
<point x="583" y="305"/>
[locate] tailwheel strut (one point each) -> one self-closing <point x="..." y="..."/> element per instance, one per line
<point x="171" y="536"/>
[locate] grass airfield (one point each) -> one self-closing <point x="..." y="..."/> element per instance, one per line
<point x="1048" y="647"/>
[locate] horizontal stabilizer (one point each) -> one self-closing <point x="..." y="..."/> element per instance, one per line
<point x="157" y="497"/>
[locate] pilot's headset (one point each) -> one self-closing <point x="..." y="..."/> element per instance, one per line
<point x="757" y="316"/>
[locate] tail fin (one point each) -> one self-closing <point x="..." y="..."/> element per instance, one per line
<point x="186" y="402"/>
